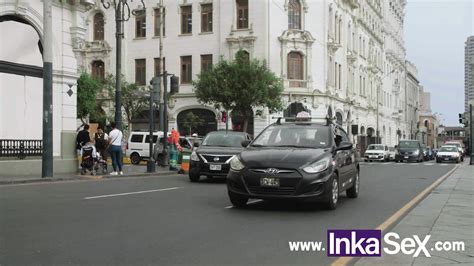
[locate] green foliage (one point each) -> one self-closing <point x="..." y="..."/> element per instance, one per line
<point x="87" y="88"/>
<point x="191" y="121"/>
<point x="133" y="98"/>
<point x="240" y="85"/>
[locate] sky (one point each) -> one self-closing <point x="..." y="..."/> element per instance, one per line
<point x="435" y="33"/>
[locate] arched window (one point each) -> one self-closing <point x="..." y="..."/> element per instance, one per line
<point x="339" y="118"/>
<point x="98" y="70"/>
<point x="98" y="27"/>
<point x="295" y="69"/>
<point x="294" y="15"/>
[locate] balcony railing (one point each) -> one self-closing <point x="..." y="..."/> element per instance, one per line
<point x="297" y="83"/>
<point x="20" y="148"/>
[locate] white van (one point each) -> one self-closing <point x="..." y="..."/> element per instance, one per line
<point x="138" y="145"/>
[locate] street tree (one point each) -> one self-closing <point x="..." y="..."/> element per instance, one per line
<point x="87" y="88"/>
<point x="191" y="121"/>
<point x="134" y="98"/>
<point x="239" y="86"/>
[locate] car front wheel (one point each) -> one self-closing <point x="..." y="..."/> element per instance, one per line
<point x="353" y="192"/>
<point x="135" y="158"/>
<point x="331" y="203"/>
<point x="237" y="200"/>
<point x="194" y="177"/>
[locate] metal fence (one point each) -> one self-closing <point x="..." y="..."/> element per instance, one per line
<point x="20" y="148"/>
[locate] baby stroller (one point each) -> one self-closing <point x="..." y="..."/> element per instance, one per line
<point x="88" y="161"/>
<point x="101" y="164"/>
<point x="91" y="164"/>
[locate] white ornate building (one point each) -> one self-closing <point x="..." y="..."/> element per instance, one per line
<point x="345" y="58"/>
<point x="21" y="85"/>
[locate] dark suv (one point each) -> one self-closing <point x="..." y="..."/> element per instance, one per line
<point x="213" y="155"/>
<point x="296" y="160"/>
<point x="409" y="150"/>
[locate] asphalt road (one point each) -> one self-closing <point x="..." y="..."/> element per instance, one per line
<point x="178" y="222"/>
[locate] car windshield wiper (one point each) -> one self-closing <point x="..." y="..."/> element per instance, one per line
<point x="294" y="146"/>
<point x="258" y="145"/>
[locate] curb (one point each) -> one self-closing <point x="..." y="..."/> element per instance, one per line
<point x="84" y="177"/>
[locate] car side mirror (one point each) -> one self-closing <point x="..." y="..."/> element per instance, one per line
<point x="245" y="143"/>
<point x="344" y="146"/>
<point x="196" y="144"/>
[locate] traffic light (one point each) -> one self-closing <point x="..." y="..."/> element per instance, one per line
<point x="463" y="119"/>
<point x="155" y="91"/>
<point x="174" y="86"/>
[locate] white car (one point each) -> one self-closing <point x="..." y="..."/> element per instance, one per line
<point x="377" y="152"/>
<point x="448" y="153"/>
<point x="392" y="152"/>
<point x="138" y="145"/>
<point x="458" y="146"/>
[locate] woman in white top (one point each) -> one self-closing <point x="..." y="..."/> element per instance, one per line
<point x="115" y="140"/>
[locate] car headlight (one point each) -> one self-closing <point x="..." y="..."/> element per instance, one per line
<point x="318" y="166"/>
<point x="455" y="155"/>
<point x="416" y="152"/>
<point x="194" y="156"/>
<point x="236" y="164"/>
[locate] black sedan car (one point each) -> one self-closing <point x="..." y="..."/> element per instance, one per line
<point x="213" y="155"/>
<point x="296" y="160"/>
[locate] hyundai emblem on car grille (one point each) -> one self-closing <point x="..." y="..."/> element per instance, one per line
<point x="272" y="171"/>
<point x="216" y="159"/>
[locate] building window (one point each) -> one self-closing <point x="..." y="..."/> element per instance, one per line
<point x="339" y="76"/>
<point x="98" y="70"/>
<point x="157" y="66"/>
<point x="98" y="27"/>
<point x="157" y="22"/>
<point x="186" y="69"/>
<point x="206" y="62"/>
<point x="140" y="72"/>
<point x="140" y="26"/>
<point x="186" y="20"/>
<point x="295" y="69"/>
<point x="206" y="18"/>
<point x="336" y="79"/>
<point x="242" y="14"/>
<point x="294" y="15"/>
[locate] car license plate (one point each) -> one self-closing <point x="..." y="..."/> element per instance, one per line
<point x="406" y="157"/>
<point x="215" y="167"/>
<point x="446" y="159"/>
<point x="269" y="182"/>
<point x="373" y="156"/>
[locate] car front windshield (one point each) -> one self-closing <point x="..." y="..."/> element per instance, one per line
<point x="223" y="140"/>
<point x="297" y="136"/>
<point x="375" y="147"/>
<point x="408" y="144"/>
<point x="448" y="149"/>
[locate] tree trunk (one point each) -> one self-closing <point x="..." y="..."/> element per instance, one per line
<point x="246" y="123"/>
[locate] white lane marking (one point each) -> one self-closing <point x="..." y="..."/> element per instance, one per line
<point x="132" y="193"/>
<point x="248" y="203"/>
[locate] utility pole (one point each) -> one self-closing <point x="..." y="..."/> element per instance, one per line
<point x="162" y="83"/>
<point x="47" y="162"/>
<point x="118" y="67"/>
<point x="122" y="13"/>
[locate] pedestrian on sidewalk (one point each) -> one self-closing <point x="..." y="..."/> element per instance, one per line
<point x="115" y="142"/>
<point x="101" y="142"/>
<point x="82" y="138"/>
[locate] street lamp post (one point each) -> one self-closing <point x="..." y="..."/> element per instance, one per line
<point x="122" y="13"/>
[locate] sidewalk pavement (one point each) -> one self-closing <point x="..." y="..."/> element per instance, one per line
<point x="447" y="214"/>
<point x="129" y="171"/>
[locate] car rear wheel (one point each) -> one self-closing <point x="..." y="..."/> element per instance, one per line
<point x="331" y="204"/>
<point x="237" y="200"/>
<point x="135" y="158"/>
<point x="353" y="192"/>
<point x="194" y="177"/>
